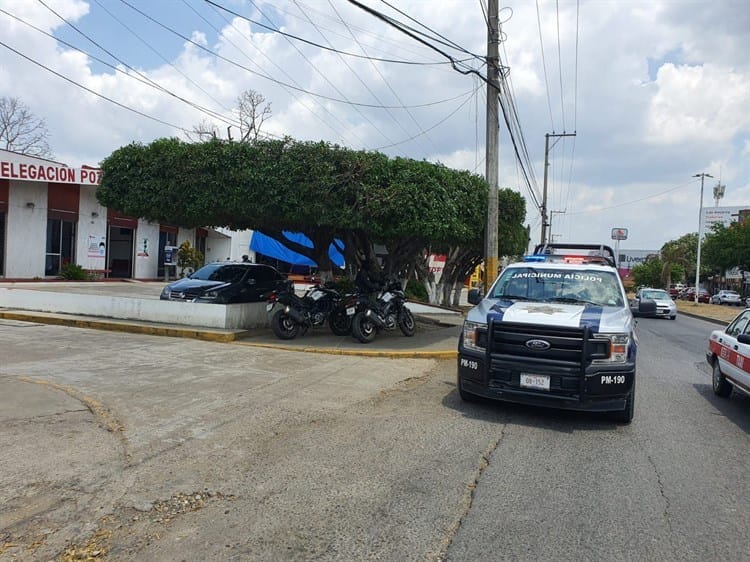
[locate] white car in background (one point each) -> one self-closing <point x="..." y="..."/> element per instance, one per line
<point x="729" y="356"/>
<point x="665" y="306"/>
<point x="727" y="297"/>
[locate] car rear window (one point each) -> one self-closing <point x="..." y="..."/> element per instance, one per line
<point x="223" y="273"/>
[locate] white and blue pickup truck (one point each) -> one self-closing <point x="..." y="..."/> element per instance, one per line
<point x="554" y="330"/>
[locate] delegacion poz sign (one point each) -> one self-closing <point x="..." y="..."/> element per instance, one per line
<point x="48" y="172"/>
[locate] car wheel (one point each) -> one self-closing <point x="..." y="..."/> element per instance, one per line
<point x="626" y="415"/>
<point x="462" y="394"/>
<point x="406" y="322"/>
<point x="340" y="323"/>
<point x="363" y="329"/>
<point x="719" y="383"/>
<point x="283" y="326"/>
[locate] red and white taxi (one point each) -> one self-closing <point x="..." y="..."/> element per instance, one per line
<point x="729" y="356"/>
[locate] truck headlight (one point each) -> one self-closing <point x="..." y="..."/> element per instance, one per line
<point x="471" y="335"/>
<point x="619" y="346"/>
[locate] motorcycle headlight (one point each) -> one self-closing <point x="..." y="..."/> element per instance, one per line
<point x="471" y="335"/>
<point x="619" y="346"/>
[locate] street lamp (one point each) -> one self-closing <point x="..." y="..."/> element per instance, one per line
<point x="702" y="176"/>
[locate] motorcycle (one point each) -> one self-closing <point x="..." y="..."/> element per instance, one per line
<point x="294" y="315"/>
<point x="385" y="313"/>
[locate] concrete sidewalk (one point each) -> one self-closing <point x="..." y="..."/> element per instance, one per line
<point x="436" y="334"/>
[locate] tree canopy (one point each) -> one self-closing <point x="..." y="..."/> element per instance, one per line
<point x="323" y="190"/>
<point x="728" y="247"/>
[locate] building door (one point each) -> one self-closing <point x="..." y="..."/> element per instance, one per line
<point x="2" y="244"/>
<point x="120" y="252"/>
<point x="61" y="243"/>
<point x="167" y="237"/>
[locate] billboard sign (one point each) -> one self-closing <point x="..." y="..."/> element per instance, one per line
<point x="619" y="234"/>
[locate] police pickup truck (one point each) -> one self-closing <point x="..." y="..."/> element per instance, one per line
<point x="554" y="330"/>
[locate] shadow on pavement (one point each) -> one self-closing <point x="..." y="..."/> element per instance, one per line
<point x="736" y="408"/>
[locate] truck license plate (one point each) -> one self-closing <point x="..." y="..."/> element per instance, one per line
<point x="535" y="381"/>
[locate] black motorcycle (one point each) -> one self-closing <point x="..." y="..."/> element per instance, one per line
<point x="294" y="315"/>
<point x="385" y="313"/>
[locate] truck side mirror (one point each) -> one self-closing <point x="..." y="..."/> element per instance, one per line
<point x="474" y="296"/>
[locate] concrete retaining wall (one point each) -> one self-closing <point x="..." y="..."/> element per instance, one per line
<point x="231" y="316"/>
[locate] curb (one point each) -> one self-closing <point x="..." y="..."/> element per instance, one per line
<point x="115" y="326"/>
<point x="706" y="318"/>
<point x="233" y="337"/>
<point x="354" y="352"/>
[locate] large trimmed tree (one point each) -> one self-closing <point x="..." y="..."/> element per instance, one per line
<point x="322" y="190"/>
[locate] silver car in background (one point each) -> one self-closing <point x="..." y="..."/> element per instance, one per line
<point x="665" y="306"/>
<point x="727" y="297"/>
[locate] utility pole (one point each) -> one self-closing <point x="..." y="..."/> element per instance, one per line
<point x="702" y="176"/>
<point x="491" y="148"/>
<point x="545" y="220"/>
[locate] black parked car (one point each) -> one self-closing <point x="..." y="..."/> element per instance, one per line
<point x="225" y="283"/>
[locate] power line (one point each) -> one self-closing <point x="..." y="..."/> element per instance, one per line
<point x="117" y="103"/>
<point x="559" y="65"/>
<point x="380" y="39"/>
<point x="270" y="78"/>
<point x="634" y="200"/>
<point x="415" y="35"/>
<point x="137" y="76"/>
<point x="443" y="120"/>
<point x="291" y="92"/>
<point x="325" y="77"/>
<point x="385" y="81"/>
<point x="544" y="65"/>
<point x="314" y="44"/>
<point x="158" y="54"/>
<point x="442" y="39"/>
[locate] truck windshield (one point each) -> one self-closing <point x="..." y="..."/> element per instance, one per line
<point x="576" y="286"/>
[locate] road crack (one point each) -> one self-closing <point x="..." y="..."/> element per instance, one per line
<point x="468" y="499"/>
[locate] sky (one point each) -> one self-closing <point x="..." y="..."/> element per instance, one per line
<point x="655" y="91"/>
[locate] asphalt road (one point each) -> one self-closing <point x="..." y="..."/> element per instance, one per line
<point x="132" y="447"/>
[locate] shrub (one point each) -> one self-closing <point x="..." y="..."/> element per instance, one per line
<point x="73" y="272"/>
<point x="188" y="257"/>
<point x="416" y="291"/>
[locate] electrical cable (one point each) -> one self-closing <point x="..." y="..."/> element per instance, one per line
<point x="117" y="103"/>
<point x="414" y="35"/>
<point x="162" y="57"/>
<point x="291" y="92"/>
<point x="442" y="39"/>
<point x="318" y="45"/>
<point x="270" y="78"/>
<point x="362" y="31"/>
<point x="559" y="65"/>
<point x="634" y="200"/>
<point x="443" y="120"/>
<point x="386" y="82"/>
<point x="138" y="77"/>
<point x="544" y="66"/>
<point x="324" y="76"/>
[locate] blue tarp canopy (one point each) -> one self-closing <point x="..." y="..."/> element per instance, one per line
<point x="269" y="247"/>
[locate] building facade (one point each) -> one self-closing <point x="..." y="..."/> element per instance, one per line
<point x="50" y="217"/>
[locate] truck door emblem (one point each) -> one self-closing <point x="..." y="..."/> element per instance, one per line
<point x="538" y="345"/>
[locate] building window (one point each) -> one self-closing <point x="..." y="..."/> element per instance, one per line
<point x="61" y="236"/>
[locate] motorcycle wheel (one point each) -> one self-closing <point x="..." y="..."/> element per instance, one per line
<point x="283" y="326"/>
<point x="340" y="323"/>
<point x="406" y="322"/>
<point x="363" y="329"/>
